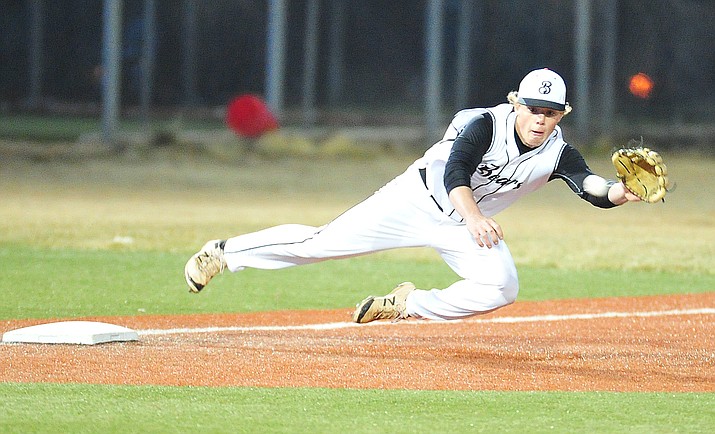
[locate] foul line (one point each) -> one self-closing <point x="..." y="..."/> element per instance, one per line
<point x="498" y="320"/>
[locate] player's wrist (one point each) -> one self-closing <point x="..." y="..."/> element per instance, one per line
<point x="617" y="193"/>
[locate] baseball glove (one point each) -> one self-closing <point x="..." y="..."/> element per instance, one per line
<point x="642" y="171"/>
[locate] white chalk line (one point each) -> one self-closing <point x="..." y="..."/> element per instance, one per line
<point x="498" y="320"/>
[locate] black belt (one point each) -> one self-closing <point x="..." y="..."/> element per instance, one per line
<point x="423" y="175"/>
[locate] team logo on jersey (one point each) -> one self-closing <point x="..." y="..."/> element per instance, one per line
<point x="545" y="87"/>
<point x="490" y="172"/>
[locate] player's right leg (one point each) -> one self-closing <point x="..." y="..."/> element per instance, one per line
<point x="398" y="215"/>
<point x="393" y="217"/>
<point x="204" y="265"/>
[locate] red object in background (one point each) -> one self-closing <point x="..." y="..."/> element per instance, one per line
<point x="248" y="116"/>
<point x="641" y="85"/>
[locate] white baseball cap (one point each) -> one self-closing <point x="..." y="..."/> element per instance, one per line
<point x="543" y="88"/>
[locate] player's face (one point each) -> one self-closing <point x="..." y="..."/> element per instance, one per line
<point x="535" y="124"/>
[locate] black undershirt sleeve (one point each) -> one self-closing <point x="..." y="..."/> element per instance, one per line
<point x="467" y="152"/>
<point x="572" y="168"/>
<point x="472" y="143"/>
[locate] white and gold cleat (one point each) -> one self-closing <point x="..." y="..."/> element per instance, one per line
<point x="204" y="265"/>
<point x="392" y="306"/>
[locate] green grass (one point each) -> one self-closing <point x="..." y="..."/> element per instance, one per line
<point x="52" y="129"/>
<point x="58" y="258"/>
<point x="108" y="409"/>
<point x="75" y="283"/>
<point x="46" y="129"/>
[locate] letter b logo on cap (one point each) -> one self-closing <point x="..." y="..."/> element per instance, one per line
<point x="545" y="87"/>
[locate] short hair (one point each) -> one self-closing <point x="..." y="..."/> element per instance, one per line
<point x="513" y="98"/>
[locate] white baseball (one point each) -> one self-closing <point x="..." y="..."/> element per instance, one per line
<point x="596" y="185"/>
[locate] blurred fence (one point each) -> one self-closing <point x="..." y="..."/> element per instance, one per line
<point x="368" y="62"/>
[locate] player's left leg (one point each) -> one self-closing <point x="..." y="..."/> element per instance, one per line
<point x="489" y="281"/>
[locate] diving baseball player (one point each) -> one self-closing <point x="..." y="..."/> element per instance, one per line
<point x="446" y="200"/>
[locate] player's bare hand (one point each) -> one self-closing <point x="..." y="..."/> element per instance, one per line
<point x="486" y="232"/>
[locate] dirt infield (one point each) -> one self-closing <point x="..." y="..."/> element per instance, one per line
<point x="660" y="343"/>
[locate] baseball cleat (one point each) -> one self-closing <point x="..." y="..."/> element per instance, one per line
<point x="204" y="265"/>
<point x="391" y="306"/>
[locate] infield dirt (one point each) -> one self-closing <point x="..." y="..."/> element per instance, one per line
<point x="659" y="343"/>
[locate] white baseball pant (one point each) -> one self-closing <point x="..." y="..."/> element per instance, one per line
<point x="400" y="214"/>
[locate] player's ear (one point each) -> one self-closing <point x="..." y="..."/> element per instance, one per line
<point x="567" y="109"/>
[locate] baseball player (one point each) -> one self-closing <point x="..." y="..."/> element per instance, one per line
<point x="446" y="200"/>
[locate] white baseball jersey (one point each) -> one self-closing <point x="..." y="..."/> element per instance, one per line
<point x="504" y="175"/>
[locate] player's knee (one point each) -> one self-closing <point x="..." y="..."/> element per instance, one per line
<point x="509" y="286"/>
<point x="510" y="292"/>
